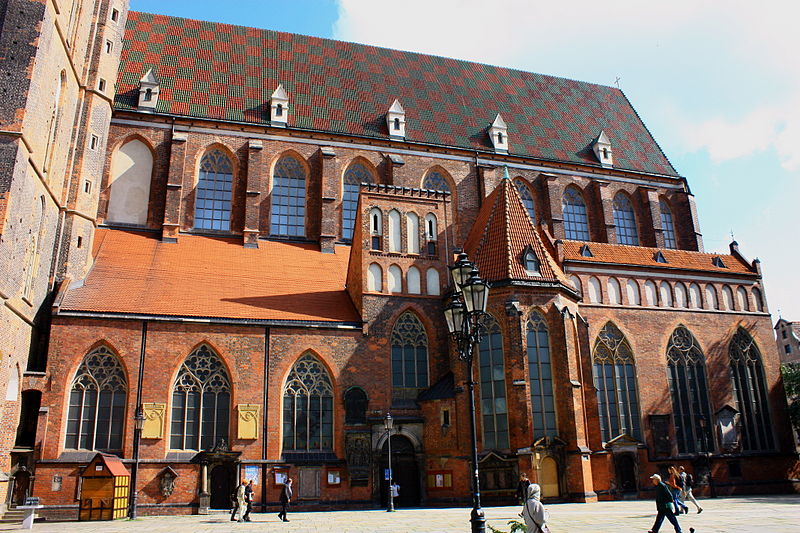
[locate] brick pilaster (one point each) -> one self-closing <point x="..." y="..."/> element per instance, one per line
<point x="607" y="231"/>
<point x="253" y="193"/>
<point x="329" y="222"/>
<point x="172" y="204"/>
<point x="651" y="219"/>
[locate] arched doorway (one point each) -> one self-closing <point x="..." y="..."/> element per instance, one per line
<point x="626" y="473"/>
<point x="405" y="472"/>
<point x="549" y="478"/>
<point x="221" y="483"/>
<point x="22" y="485"/>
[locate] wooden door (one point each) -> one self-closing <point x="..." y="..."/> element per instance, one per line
<point x="549" y="480"/>
<point x="309" y="484"/>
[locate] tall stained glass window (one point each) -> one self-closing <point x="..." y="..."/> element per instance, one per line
<point x="625" y="220"/>
<point x="526" y="197"/>
<point x="409" y="357"/>
<point x="540" y="373"/>
<point x="576" y="221"/>
<point x="494" y="410"/>
<point x="615" y="380"/>
<point x="288" y="198"/>
<point x="96" y="415"/>
<point x="750" y="391"/>
<point x="212" y="204"/>
<point x="308" y="407"/>
<point x="201" y="400"/>
<point x="689" y="392"/>
<point x="355" y="175"/>
<point x="667" y="225"/>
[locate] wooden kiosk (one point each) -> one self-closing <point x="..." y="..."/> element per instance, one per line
<point x="105" y="485"/>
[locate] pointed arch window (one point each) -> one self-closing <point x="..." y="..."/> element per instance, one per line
<point x="614" y="372"/>
<point x="409" y="357"/>
<point x="212" y="207"/>
<point x="201" y="398"/>
<point x="526" y="197"/>
<point x="355" y="175"/>
<point x="97" y="399"/>
<point x="689" y="391"/>
<point x="625" y="220"/>
<point x="667" y="225"/>
<point x="355" y="406"/>
<point x="288" y="198"/>
<point x="308" y="407"/>
<point x="576" y="221"/>
<point x="435" y="181"/>
<point x="540" y="374"/>
<point x="494" y="409"/>
<point x="750" y="391"/>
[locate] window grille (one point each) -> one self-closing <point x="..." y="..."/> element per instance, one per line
<point x="212" y="210"/>
<point x="667" y="225"/>
<point x="494" y="410"/>
<point x="749" y="387"/>
<point x="576" y="222"/>
<point x="289" y="198"/>
<point x="615" y="380"/>
<point x="689" y="391"/>
<point x="96" y="416"/>
<point x="356" y="175"/>
<point x="540" y="374"/>
<point x="200" y="402"/>
<point x="435" y="181"/>
<point x="308" y="407"/>
<point x="409" y="356"/>
<point x="527" y="198"/>
<point x="625" y="220"/>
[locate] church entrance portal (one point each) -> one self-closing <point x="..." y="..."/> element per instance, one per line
<point x="549" y="471"/>
<point x="626" y="473"/>
<point x="222" y="483"/>
<point x="405" y="472"/>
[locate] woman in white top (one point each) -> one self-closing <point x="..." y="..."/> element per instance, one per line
<point x="533" y="511"/>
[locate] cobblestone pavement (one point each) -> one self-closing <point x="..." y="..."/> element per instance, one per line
<point x="765" y="514"/>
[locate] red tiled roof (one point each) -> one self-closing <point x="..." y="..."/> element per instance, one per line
<point x="136" y="273"/>
<point x="223" y="72"/>
<point x="642" y="256"/>
<point x="114" y="465"/>
<point x="502" y="232"/>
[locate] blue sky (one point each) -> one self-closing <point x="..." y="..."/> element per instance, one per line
<point x="717" y="83"/>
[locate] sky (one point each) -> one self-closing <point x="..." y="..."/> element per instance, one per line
<point x="717" y="83"/>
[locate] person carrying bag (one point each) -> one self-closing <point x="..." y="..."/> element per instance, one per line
<point x="533" y="512"/>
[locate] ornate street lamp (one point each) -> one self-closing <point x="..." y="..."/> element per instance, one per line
<point x="138" y="425"/>
<point x="388" y="423"/>
<point x="465" y="313"/>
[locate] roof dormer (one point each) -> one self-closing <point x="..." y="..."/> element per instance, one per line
<point x="498" y="133"/>
<point x="279" y="107"/>
<point x="602" y="150"/>
<point x="396" y="121"/>
<point x="149" y="87"/>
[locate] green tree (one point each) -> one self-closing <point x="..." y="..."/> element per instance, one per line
<point x="791" y="382"/>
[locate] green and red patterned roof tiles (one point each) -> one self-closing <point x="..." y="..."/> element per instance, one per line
<point x="218" y="71"/>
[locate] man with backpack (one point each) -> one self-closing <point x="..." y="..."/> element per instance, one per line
<point x="686" y="491"/>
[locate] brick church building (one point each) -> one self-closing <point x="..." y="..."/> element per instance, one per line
<point x="250" y="239"/>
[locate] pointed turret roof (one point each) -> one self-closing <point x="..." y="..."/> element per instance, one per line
<point x="396" y="107"/>
<point x="502" y="233"/>
<point x="602" y="138"/>
<point x="149" y="78"/>
<point x="280" y="93"/>
<point x="499" y="122"/>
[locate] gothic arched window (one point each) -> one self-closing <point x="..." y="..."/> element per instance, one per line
<point x="96" y="416"/>
<point x="625" y="220"/>
<point x="435" y="181"/>
<point x="308" y="407"/>
<point x="201" y="400"/>
<point x="576" y="222"/>
<point x="689" y="392"/>
<point x="409" y="357"/>
<point x="750" y="391"/>
<point x="541" y="378"/>
<point x="288" y="198"/>
<point x="526" y="197"/>
<point x="494" y="410"/>
<point x="355" y="406"/>
<point x="614" y="372"/>
<point x="212" y="205"/>
<point x="355" y="175"/>
<point x="667" y="225"/>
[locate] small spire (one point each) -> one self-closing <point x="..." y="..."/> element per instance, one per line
<point x="505" y="173"/>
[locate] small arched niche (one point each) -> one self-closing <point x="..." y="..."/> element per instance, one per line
<point x="129" y="184"/>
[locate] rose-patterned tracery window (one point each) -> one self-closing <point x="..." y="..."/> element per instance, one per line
<point x="435" y="181"/>
<point x="96" y="415"/>
<point x="201" y="400"/>
<point x="308" y="407"/>
<point x="615" y="380"/>
<point x="687" y="386"/>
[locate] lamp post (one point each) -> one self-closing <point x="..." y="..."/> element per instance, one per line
<point x="138" y="425"/>
<point x="465" y="314"/>
<point x="388" y="423"/>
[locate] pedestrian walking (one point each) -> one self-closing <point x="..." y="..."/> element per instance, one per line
<point x="665" y="505"/>
<point x="286" y="499"/>
<point x="533" y="512"/>
<point x="241" y="505"/>
<point x="522" y="488"/>
<point x="688" y="485"/>
<point x="676" y="487"/>
<point x="248" y="498"/>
